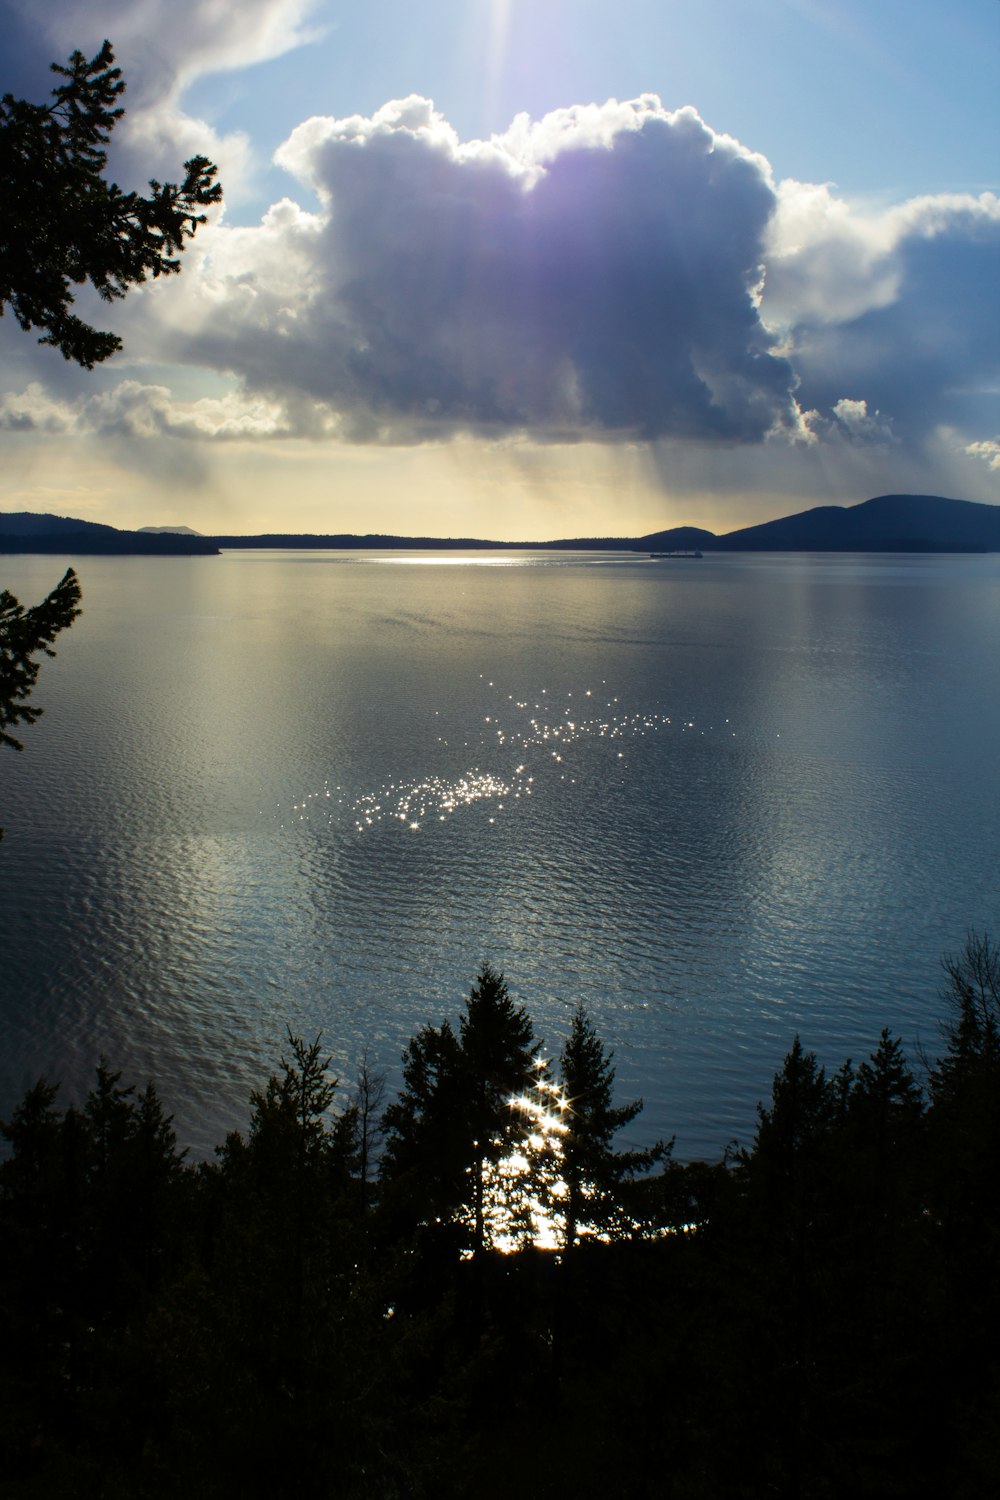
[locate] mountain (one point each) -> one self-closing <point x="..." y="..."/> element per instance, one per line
<point x="889" y="523"/>
<point x="345" y="541"/>
<point x="677" y="539"/>
<point x="27" y="523"/>
<point x="23" y="531"/>
<point x="168" y="531"/>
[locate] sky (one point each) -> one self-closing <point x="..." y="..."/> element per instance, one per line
<point x="527" y="269"/>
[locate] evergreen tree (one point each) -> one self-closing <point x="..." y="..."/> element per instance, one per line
<point x="280" y="1259"/>
<point x="38" y="1235"/>
<point x="422" y="1170"/>
<point x="964" y="1120"/>
<point x="886" y="1100"/>
<point x="793" y="1132"/>
<point x="783" y="1250"/>
<point x="456" y="1117"/>
<point x="971" y="1064"/>
<point x="884" y="1148"/>
<point x="596" y="1177"/>
<point x="498" y="1065"/>
<point x="963" y="1143"/>
<point x="368" y="1103"/>
<point x="32" y="1134"/>
<point x="92" y="1208"/>
<point x="296" y="1165"/>
<point x="25" y="634"/>
<point x="290" y="1116"/>
<point x="132" y="1192"/>
<point x="34" y="1201"/>
<point x="65" y="225"/>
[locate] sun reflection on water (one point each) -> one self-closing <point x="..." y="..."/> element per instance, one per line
<point x="519" y="742"/>
<point x="454" y="560"/>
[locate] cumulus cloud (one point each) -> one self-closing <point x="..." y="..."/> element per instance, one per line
<point x="34" y="410"/>
<point x="136" y="410"/>
<point x="988" y="449"/>
<point x="922" y="345"/>
<point x="854" y="419"/>
<point x="595" y="272"/>
<point x="850" y="421"/>
<point x="610" y="272"/>
<point x="825" y="262"/>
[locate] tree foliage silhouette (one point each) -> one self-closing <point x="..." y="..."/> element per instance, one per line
<point x="64" y="224"/>
<point x="24" y="635"/>
<point x="972" y="1030"/>
<point x="964" y="1130"/>
<point x="454" y="1119"/>
<point x="596" y="1176"/>
<point x="226" y="1328"/>
<point x="369" y="1102"/>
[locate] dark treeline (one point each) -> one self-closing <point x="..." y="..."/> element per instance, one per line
<point x="468" y="1290"/>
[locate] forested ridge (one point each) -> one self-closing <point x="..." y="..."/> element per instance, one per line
<point x="467" y="1289"/>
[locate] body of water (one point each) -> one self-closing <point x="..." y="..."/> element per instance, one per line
<point x="720" y="802"/>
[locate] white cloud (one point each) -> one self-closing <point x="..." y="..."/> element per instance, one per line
<point x="165" y="44"/>
<point x="854" y="422"/>
<point x="34" y="410"/>
<point x="825" y="262"/>
<point x="830" y="263"/>
<point x="988" y="449"/>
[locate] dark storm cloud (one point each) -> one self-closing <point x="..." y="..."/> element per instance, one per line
<point x="593" y="273"/>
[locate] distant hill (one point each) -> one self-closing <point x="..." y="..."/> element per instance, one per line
<point x="677" y="539"/>
<point x="27" y="523"/>
<point x="168" y="531"/>
<point x="349" y="541"/>
<point x="888" y="523"/>
<point x="23" y="531"/>
<point x="345" y="541"/>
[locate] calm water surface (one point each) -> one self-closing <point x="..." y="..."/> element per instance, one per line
<point x="719" y="802"/>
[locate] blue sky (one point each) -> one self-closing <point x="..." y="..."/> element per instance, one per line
<point x="457" y="289"/>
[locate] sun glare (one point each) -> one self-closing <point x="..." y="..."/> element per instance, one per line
<point x="496" y="51"/>
<point x="454" y="560"/>
<point x="516" y="1217"/>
